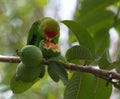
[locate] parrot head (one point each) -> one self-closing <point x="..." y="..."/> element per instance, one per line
<point x="50" y="28"/>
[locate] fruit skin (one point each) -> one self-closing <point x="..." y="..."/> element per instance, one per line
<point x="26" y="73"/>
<point x="31" y="55"/>
<point x="17" y="86"/>
<point x="45" y="28"/>
<point x="49" y="49"/>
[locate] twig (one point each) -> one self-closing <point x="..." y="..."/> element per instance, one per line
<point x="98" y="72"/>
<point x="9" y="59"/>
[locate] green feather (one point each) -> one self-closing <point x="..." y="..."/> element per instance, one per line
<point x="34" y="36"/>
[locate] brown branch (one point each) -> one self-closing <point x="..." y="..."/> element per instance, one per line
<point x="98" y="72"/>
<point x="9" y="59"/>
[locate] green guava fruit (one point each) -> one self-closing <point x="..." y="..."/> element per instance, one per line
<point x="31" y="55"/>
<point x="26" y="73"/>
<point x="49" y="49"/>
<point x="17" y="86"/>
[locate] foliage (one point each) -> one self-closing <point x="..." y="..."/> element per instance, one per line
<point x="86" y="86"/>
<point x="94" y="20"/>
<point x="76" y="52"/>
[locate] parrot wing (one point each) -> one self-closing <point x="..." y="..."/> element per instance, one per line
<point x="34" y="37"/>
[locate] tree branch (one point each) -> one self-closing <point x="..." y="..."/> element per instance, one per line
<point x="9" y="59"/>
<point x="104" y="74"/>
<point x="98" y="72"/>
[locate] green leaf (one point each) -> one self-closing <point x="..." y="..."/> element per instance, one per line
<point x="101" y="39"/>
<point x="113" y="65"/>
<point x="42" y="69"/>
<point x="18" y="86"/>
<point x="81" y="86"/>
<point x="83" y="37"/>
<point x="59" y="58"/>
<point x="94" y="6"/>
<point x="72" y="38"/>
<point x="86" y="86"/>
<point x="101" y="90"/>
<point x="53" y="74"/>
<point x="78" y="52"/>
<point x="105" y="60"/>
<point x="60" y="70"/>
<point x="118" y="69"/>
<point x="118" y="53"/>
<point x="94" y="15"/>
<point x="117" y="26"/>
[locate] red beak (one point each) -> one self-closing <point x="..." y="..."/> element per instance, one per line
<point x="50" y="34"/>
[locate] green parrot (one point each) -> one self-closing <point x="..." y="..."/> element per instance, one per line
<point x="44" y="29"/>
